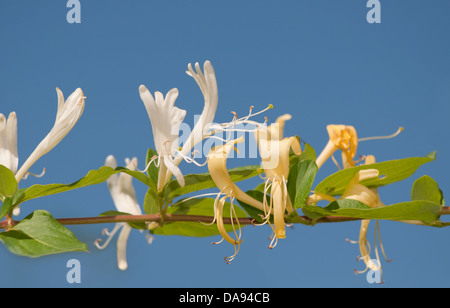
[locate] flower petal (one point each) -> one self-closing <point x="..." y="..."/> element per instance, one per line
<point x="217" y="166"/>
<point x="122" y="247"/>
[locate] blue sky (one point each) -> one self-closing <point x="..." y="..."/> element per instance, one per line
<point x="320" y="61"/>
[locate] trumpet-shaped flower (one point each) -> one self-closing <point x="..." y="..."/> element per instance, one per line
<point x="345" y="138"/>
<point x="364" y="246"/>
<point x="8" y="142"/>
<point x="370" y="197"/>
<point x="68" y="114"/>
<point x="274" y="151"/>
<point x="342" y="137"/>
<point x="208" y="85"/>
<point x="217" y="158"/>
<point x="124" y="197"/>
<point x="166" y="120"/>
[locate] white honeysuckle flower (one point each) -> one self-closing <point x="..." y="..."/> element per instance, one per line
<point x="208" y="85"/>
<point x="8" y="142"/>
<point x="124" y="197"/>
<point x="68" y="113"/>
<point x="165" y="119"/>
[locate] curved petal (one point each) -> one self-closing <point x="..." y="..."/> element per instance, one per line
<point x="122" y="247"/>
<point x="279" y="207"/>
<point x="67" y="117"/>
<point x="174" y="170"/>
<point x="359" y="192"/>
<point x="208" y="85"/>
<point x="217" y="160"/>
<point x="8" y="142"/>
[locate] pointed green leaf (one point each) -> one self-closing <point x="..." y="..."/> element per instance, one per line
<point x="151" y="205"/>
<point x="8" y="183"/>
<point x="93" y="177"/>
<point x="152" y="170"/>
<point x="308" y="152"/>
<point x="40" y="234"/>
<point x="425" y="211"/>
<point x="300" y="181"/>
<point x="390" y="172"/>
<point x="7" y="205"/>
<point x="252" y="211"/>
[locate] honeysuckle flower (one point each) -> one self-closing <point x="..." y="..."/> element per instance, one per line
<point x="208" y="85"/>
<point x="68" y="114"/>
<point x="345" y="138"/>
<point x="217" y="158"/>
<point x="342" y="137"/>
<point x="274" y="151"/>
<point x="364" y="245"/>
<point x="124" y="197"/>
<point x="166" y="120"/>
<point x="370" y="197"/>
<point x="8" y="142"/>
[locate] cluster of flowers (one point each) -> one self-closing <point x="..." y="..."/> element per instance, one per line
<point x="274" y="149"/>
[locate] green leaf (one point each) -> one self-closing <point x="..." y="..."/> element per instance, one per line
<point x="425" y="188"/>
<point x="152" y="170"/>
<point x="93" y="177"/>
<point x="135" y="225"/>
<point x="252" y="211"/>
<point x="390" y="172"/>
<point x="151" y="205"/>
<point x="196" y="182"/>
<point x="425" y="211"/>
<point x="308" y="152"/>
<point x="300" y="181"/>
<point x="8" y="183"/>
<point x="40" y="234"/>
<point x="201" y="206"/>
<point x="7" y="205"/>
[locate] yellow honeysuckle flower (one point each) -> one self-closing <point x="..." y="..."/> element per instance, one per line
<point x="342" y="137"/>
<point x="354" y="190"/>
<point x="345" y="138"/>
<point x="364" y="246"/>
<point x="370" y="197"/>
<point x="217" y="158"/>
<point x="274" y="151"/>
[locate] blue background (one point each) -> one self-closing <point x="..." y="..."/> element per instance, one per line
<point x="320" y="61"/>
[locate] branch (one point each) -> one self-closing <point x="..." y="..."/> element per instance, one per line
<point x="193" y="218"/>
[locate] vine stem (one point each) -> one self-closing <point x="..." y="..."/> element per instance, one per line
<point x="186" y="218"/>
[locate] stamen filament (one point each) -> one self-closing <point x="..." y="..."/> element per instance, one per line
<point x="400" y="129"/>
<point x="110" y="236"/>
